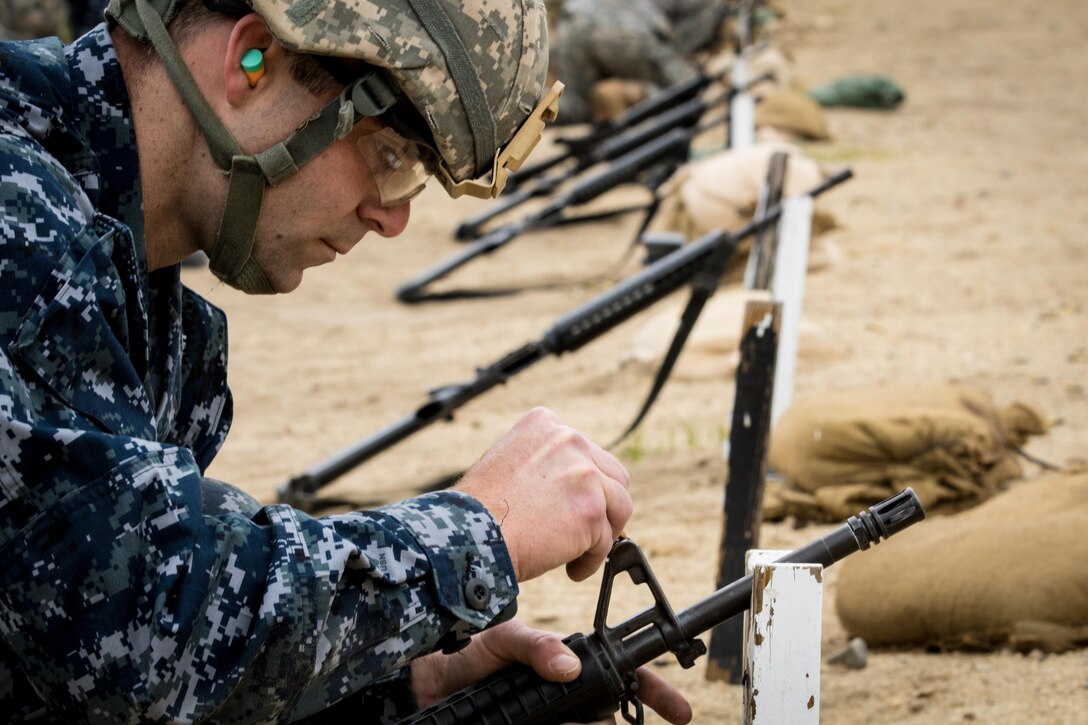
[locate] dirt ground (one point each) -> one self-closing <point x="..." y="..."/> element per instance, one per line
<point x="962" y="259"/>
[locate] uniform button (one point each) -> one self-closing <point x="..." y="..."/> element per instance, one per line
<point x="477" y="593"/>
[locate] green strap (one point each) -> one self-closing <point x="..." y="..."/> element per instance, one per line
<point x="333" y="122"/>
<point x="230" y="258"/>
<point x="469" y="87"/>
<point x="244" y="197"/>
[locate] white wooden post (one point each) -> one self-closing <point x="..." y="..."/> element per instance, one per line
<point x="751" y="267"/>
<point x="782" y="641"/>
<point x="742" y="110"/>
<point x="788" y="287"/>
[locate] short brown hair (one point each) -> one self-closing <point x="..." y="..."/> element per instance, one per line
<point x="192" y="16"/>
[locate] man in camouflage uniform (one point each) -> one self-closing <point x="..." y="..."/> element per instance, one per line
<point x="136" y="590"/>
<point x="650" y="41"/>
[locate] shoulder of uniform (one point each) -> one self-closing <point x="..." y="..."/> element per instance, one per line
<point x="32" y="72"/>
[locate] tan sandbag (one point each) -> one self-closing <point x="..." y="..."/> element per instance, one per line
<point x="851" y="448"/>
<point x="721" y="191"/>
<point x="794" y="113"/>
<point x="712" y="350"/>
<point x="612" y="96"/>
<point x="1010" y="572"/>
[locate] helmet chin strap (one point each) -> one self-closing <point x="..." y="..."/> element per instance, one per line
<point x="231" y="258"/>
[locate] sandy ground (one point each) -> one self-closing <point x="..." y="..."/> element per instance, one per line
<point x="963" y="259"/>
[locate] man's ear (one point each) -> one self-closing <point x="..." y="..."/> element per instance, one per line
<point x="250" y="33"/>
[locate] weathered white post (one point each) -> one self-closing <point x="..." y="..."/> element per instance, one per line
<point x="788" y="287"/>
<point x="782" y="641"/>
<point x="742" y="110"/>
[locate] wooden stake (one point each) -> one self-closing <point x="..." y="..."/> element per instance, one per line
<point x="747" y="466"/>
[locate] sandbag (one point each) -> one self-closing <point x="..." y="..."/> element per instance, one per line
<point x="841" y="450"/>
<point x="612" y="96"/>
<point x="712" y="350"/>
<point x="1008" y="573"/>
<point x="721" y="191"/>
<point x="793" y="113"/>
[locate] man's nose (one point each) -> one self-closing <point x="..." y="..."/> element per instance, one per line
<point x="388" y="221"/>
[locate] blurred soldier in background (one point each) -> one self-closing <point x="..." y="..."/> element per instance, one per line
<point x="650" y="42"/>
<point x="66" y="19"/>
<point x="26" y="19"/>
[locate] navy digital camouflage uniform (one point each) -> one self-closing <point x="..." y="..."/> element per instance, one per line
<point x="645" y="40"/>
<point x="133" y="589"/>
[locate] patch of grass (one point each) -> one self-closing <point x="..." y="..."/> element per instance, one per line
<point x="691" y="434"/>
<point x="634" y="450"/>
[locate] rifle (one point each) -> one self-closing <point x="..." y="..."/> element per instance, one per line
<point x="647" y="108"/>
<point x="671" y="147"/>
<point x="575" y="329"/>
<point x="610" y="148"/>
<point x="610" y="655"/>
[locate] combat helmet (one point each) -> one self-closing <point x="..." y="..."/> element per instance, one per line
<point x="465" y="79"/>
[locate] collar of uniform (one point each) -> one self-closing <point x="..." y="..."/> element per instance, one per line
<point x="103" y="115"/>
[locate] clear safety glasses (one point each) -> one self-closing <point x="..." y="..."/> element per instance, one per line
<point x="400" y="166"/>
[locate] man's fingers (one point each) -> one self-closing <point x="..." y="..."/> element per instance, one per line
<point x="618" y="507"/>
<point x="583" y="567"/>
<point x="609" y="464"/>
<point x="662" y="698"/>
<point x="543" y="651"/>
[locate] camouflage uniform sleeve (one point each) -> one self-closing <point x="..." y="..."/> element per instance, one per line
<point x="130" y="593"/>
<point x="127" y="599"/>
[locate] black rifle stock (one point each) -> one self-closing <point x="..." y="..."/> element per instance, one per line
<point x="569" y="333"/>
<point x="611" y="655"/>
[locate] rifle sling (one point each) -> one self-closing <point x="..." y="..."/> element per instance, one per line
<point x="703" y="286"/>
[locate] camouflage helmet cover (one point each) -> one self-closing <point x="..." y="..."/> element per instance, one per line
<point x="506" y="42"/>
<point x="506" y="39"/>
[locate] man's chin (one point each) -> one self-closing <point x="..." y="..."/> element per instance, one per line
<point x="283" y="281"/>
<point x="283" y="284"/>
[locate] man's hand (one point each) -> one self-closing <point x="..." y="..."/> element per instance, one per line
<point x="438" y="676"/>
<point x="558" y="497"/>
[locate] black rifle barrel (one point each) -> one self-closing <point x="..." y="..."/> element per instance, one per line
<point x="651" y="284"/>
<point x="569" y="333"/>
<point x="518" y="696"/>
<point x="300" y="490"/>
